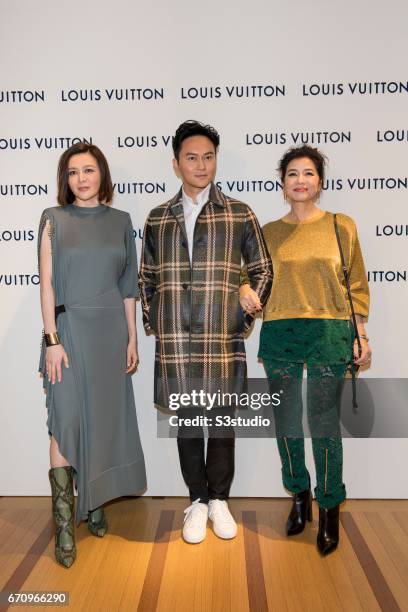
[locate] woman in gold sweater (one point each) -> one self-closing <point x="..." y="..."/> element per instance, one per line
<point x="307" y="321"/>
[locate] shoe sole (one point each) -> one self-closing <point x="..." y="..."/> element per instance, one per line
<point x="194" y="542"/>
<point x="223" y="537"/>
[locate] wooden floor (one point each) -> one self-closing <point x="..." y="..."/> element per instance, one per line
<point x="142" y="564"/>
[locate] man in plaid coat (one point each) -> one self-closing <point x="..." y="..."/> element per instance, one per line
<point x="193" y="246"/>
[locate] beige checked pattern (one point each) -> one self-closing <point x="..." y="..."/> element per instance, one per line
<point x="194" y="310"/>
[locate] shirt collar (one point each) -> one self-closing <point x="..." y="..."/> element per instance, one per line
<point x="202" y="198"/>
<point x="216" y="197"/>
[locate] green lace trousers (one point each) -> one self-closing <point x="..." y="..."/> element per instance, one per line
<point x="324" y="388"/>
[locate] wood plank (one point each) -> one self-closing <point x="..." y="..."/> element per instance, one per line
<point x="402" y="520"/>
<point x="358" y="533"/>
<point x="356" y="574"/>
<point x="154" y="573"/>
<point x="188" y="572"/>
<point x="238" y="586"/>
<point x="25" y="503"/>
<point x="254" y="569"/>
<point x="393" y="539"/>
<point x="24" y="568"/>
<point x="281" y="578"/>
<point x="19" y="531"/>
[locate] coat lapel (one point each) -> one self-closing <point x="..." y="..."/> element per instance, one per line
<point x="176" y="207"/>
<point x="216" y="196"/>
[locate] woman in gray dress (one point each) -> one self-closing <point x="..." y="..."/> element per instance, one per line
<point x="88" y="280"/>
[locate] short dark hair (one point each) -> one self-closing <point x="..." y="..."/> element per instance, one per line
<point x="65" y="195"/>
<point x="193" y="128"/>
<point x="317" y="157"/>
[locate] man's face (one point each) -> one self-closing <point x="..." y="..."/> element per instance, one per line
<point x="197" y="163"/>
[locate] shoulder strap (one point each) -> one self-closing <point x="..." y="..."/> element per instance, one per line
<point x="347" y="281"/>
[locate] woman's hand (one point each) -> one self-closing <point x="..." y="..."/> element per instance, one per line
<point x="249" y="300"/>
<point x="132" y="357"/>
<point x="365" y="357"/>
<point x="54" y="357"/>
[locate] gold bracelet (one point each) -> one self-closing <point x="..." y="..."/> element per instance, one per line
<point x="52" y="339"/>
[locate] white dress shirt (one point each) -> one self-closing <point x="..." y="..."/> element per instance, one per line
<point x="191" y="212"/>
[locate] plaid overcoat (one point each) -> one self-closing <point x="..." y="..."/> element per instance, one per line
<point x="194" y="310"/>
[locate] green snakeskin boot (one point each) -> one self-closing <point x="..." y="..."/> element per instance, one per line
<point x="63" y="513"/>
<point x="97" y="523"/>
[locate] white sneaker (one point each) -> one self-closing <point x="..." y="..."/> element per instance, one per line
<point x="223" y="523"/>
<point x="195" y="522"/>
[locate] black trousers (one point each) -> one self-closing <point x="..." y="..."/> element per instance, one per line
<point x="206" y="477"/>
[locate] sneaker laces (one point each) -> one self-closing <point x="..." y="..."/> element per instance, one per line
<point x="193" y="516"/>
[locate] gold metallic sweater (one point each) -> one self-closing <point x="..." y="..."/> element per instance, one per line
<point x="308" y="279"/>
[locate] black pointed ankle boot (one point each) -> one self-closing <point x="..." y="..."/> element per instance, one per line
<point x="328" y="534"/>
<point x="300" y="513"/>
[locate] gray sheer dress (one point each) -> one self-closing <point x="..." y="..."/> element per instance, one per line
<point x="91" y="413"/>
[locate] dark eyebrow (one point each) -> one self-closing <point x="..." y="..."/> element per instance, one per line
<point x="207" y="153"/>
<point x="296" y="169"/>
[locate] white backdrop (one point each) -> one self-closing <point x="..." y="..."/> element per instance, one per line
<point x="267" y="75"/>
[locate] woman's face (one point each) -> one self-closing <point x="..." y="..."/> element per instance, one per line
<point x="302" y="182"/>
<point x="84" y="179"/>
